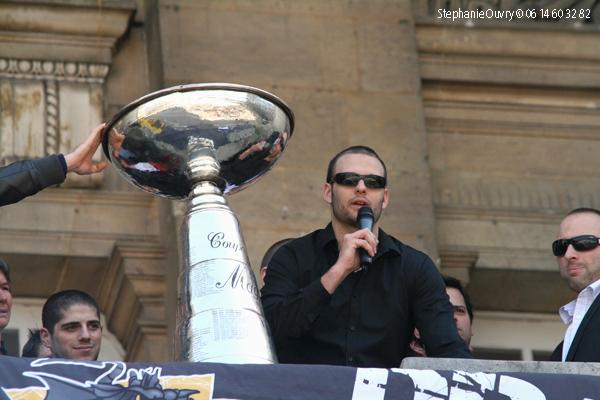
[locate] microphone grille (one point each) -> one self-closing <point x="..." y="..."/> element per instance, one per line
<point x="365" y="212"/>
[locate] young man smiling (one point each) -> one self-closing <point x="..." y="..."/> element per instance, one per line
<point x="324" y="308"/>
<point x="71" y="325"/>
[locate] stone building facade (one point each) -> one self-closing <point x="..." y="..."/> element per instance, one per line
<point x="489" y="127"/>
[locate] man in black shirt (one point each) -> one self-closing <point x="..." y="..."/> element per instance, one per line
<point x="323" y="308"/>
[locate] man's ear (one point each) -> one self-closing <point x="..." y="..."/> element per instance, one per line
<point x="45" y="337"/>
<point x="326" y="193"/>
<point x="386" y="198"/>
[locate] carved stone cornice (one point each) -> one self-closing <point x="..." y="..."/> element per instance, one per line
<point x="106" y="18"/>
<point x="471" y="101"/>
<point x="543" y="56"/>
<point x="56" y="55"/>
<point x="458" y="264"/>
<point x="512" y="129"/>
<point x="83" y="30"/>
<point x="132" y="296"/>
<point x="53" y="70"/>
<point x="134" y="198"/>
<point x="511" y="197"/>
<point x="505" y="214"/>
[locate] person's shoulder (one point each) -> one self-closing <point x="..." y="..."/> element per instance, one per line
<point x="403" y="248"/>
<point x="412" y="263"/>
<point x="297" y="254"/>
<point x="310" y="238"/>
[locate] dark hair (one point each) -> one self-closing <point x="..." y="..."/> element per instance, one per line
<point x="53" y="309"/>
<point x="32" y="347"/>
<point x="271" y="251"/>
<point x="452" y="282"/>
<point x="353" y="150"/>
<point x="582" y="210"/>
<point x="4" y="268"/>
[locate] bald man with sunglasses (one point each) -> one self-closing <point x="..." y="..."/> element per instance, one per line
<point x="324" y="307"/>
<point x="578" y="256"/>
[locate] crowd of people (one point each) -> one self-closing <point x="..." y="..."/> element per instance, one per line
<point x="323" y="305"/>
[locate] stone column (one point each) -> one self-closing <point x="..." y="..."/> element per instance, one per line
<point x="132" y="296"/>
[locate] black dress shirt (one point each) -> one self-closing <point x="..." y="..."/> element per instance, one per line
<point x="369" y="320"/>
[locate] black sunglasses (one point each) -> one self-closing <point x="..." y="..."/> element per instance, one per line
<point x="352" y="179"/>
<point x="579" y="243"/>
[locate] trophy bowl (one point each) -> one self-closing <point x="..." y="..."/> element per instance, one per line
<point x="169" y="140"/>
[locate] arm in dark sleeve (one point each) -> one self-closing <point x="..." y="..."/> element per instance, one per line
<point x="434" y="315"/>
<point x="290" y="300"/>
<point x="25" y="178"/>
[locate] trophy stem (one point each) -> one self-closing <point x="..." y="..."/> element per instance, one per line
<point x="220" y="317"/>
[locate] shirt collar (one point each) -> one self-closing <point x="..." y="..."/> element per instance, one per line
<point x="595" y="288"/>
<point x="326" y="236"/>
<point x="567" y="311"/>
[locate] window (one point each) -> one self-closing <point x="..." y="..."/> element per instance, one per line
<point x="515" y="336"/>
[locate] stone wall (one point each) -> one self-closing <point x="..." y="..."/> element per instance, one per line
<point x="349" y="71"/>
<point x="489" y="130"/>
<point x="512" y="119"/>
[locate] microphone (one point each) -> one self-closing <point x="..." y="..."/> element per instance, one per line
<point x="364" y="219"/>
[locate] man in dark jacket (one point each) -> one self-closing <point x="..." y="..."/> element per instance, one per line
<point x="25" y="178"/>
<point x="578" y="256"/>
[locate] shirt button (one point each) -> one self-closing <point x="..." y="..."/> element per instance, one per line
<point x="352" y="328"/>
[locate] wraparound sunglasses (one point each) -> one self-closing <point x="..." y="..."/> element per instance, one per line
<point x="579" y="243"/>
<point x="352" y="179"/>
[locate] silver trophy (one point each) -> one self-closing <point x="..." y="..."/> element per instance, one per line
<point x="199" y="142"/>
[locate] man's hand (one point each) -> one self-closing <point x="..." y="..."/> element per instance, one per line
<point x="80" y="159"/>
<point x="348" y="260"/>
<point x="416" y="345"/>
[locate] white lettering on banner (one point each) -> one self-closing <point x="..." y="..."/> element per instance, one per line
<point x="428" y="384"/>
<point x="370" y="384"/>
<point x="469" y="386"/>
